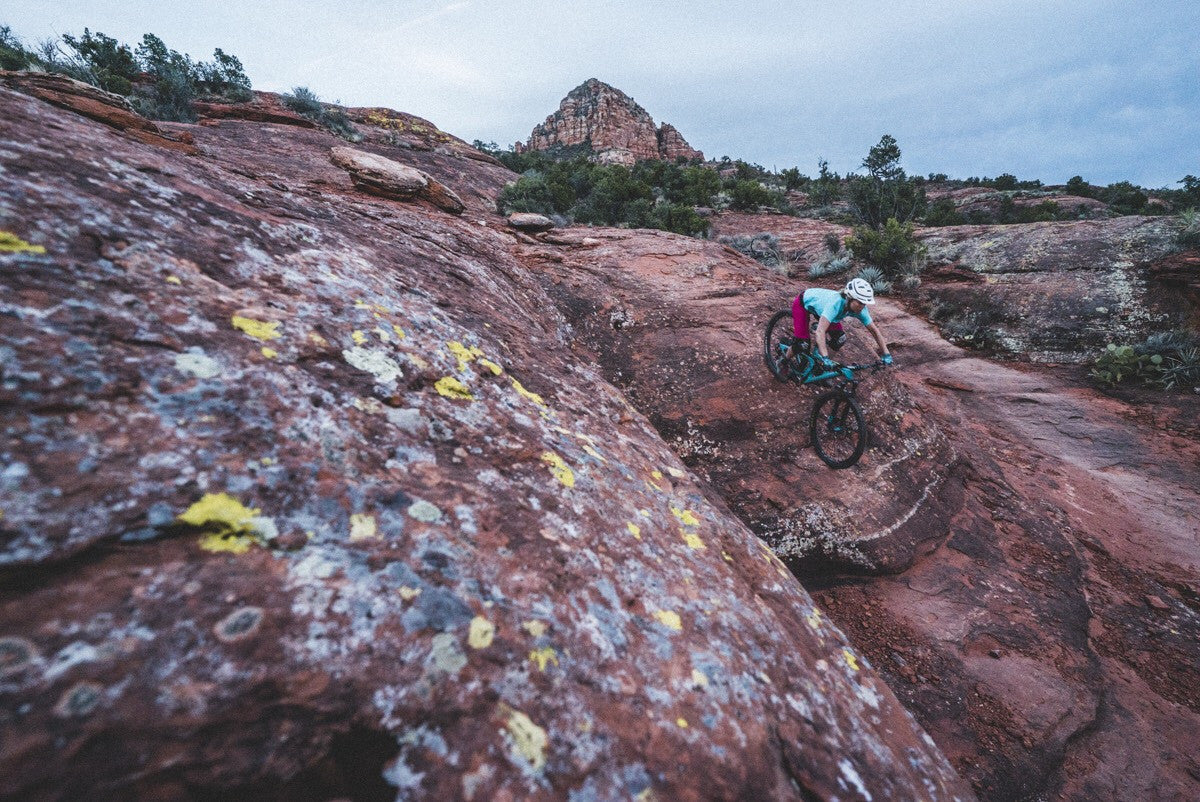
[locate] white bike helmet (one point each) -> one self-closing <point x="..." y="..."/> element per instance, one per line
<point x="860" y="290"/>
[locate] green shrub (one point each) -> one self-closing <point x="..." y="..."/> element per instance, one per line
<point x="1077" y="186"/>
<point x="112" y="65"/>
<point x="1167" y="360"/>
<point x="831" y="264"/>
<point x="305" y="102"/>
<point x="885" y="192"/>
<point x="888" y="248"/>
<point x="875" y="277"/>
<point x="13" y="55"/>
<point x="943" y="212"/>
<point x="748" y="194"/>
<point x="1189" y="234"/>
<point x="161" y="83"/>
<point x="827" y="187"/>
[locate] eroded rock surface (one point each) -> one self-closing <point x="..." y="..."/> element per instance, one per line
<point x="304" y="495"/>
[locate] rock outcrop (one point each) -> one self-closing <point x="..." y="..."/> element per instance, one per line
<point x="616" y="129"/>
<point x="387" y="178"/>
<point x="304" y="495"/>
<point x="1050" y="292"/>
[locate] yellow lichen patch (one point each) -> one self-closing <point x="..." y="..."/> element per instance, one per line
<point x="174" y="280"/>
<point x="267" y="460"/>
<point x="408" y="594"/>
<point x="699" y="678"/>
<point x="383" y="336"/>
<point x="463" y="354"/>
<point x="224" y="541"/>
<point x="480" y="633"/>
<point x="669" y="619"/>
<point x="492" y="366"/>
<point x="258" y="329"/>
<point x="534" y="397"/>
<point x="269" y="353"/>
<point x="593" y="453"/>
<point x="535" y="628"/>
<point x="693" y="541"/>
<point x="398" y="331"/>
<point x="647" y="795"/>
<point x="529" y="740"/>
<point x="317" y="338"/>
<point x="221" y="509"/>
<point x="681" y="722"/>
<point x="686" y="517"/>
<point x="634" y="530"/>
<point x="561" y="471"/>
<point x="359" y="303"/>
<point x="358" y="337"/>
<point x="363" y="527"/>
<point x="814" y="619"/>
<point x="726" y="557"/>
<point x="850" y="659"/>
<point x="451" y="387"/>
<point x="543" y="657"/>
<point x="11" y="243"/>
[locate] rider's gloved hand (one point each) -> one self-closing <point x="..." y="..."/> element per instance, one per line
<point x="886" y="359"/>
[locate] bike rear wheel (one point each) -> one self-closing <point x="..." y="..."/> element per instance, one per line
<point x="837" y="429"/>
<point x="778" y="335"/>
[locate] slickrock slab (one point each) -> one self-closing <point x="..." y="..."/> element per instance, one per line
<point x="305" y="496"/>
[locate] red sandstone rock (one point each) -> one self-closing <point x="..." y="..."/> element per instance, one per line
<point x="94" y="103"/>
<point x="612" y="124"/>
<point x="264" y="107"/>
<point x="305" y="496"/>
<point x="386" y="178"/>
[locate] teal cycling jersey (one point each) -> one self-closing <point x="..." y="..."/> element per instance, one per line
<point x="832" y="305"/>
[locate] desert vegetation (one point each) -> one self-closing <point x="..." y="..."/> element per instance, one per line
<point x="160" y="83"/>
<point x="305" y="102"/>
<point x="1169" y="360"/>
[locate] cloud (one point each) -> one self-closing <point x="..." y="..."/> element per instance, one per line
<point x="1041" y="88"/>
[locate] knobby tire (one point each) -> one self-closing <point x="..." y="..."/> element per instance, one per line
<point x="837" y="424"/>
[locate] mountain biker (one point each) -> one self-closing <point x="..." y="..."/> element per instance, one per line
<point x="831" y="307"/>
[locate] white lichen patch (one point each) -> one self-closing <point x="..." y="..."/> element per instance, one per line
<point x="196" y="363"/>
<point x="373" y="361"/>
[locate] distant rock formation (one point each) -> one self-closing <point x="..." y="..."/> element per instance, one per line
<point x="617" y="129"/>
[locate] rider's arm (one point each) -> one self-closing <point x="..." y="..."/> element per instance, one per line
<point x="819" y="335"/>
<point x="879" y="341"/>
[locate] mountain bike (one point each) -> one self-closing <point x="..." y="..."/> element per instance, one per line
<point x="837" y="428"/>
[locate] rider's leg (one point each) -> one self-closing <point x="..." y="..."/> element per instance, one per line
<point x="799" y="325"/>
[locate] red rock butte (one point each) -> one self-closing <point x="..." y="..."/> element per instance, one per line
<point x="617" y="129"/>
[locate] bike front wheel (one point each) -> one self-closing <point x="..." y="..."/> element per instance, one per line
<point x="837" y="429"/>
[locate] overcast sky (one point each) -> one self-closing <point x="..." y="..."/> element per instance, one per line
<point x="1106" y="89"/>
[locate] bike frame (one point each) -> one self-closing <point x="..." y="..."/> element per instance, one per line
<point x="849" y="381"/>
